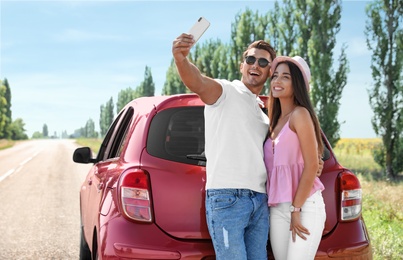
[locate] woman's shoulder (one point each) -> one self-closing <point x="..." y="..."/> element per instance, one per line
<point x="300" y="111"/>
<point x="300" y="116"/>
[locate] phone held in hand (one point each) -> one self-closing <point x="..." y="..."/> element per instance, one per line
<point x="199" y="28"/>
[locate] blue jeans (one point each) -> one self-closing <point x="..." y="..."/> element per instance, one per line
<point x="237" y="220"/>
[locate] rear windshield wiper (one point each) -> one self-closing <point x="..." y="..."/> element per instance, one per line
<point x="199" y="157"/>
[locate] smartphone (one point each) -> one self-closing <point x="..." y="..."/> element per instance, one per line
<point x="199" y="28"/>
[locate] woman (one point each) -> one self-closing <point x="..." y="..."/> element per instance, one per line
<point x="297" y="210"/>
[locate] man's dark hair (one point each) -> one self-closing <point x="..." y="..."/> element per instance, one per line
<point x="263" y="46"/>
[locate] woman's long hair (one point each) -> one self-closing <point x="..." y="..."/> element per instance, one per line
<point x="301" y="98"/>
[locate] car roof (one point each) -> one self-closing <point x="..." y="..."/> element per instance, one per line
<point x="145" y="104"/>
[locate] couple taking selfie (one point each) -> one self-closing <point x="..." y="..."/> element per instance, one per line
<point x="262" y="170"/>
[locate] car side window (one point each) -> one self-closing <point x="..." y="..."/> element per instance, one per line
<point x="125" y="133"/>
<point x="121" y="133"/>
<point x="176" y="134"/>
<point x="102" y="154"/>
<point x="115" y="137"/>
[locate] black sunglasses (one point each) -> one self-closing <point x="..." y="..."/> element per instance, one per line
<point x="261" y="61"/>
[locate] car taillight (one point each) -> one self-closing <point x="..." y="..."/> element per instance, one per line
<point x="135" y="195"/>
<point x="351" y="196"/>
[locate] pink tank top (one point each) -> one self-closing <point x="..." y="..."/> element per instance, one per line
<point x="284" y="165"/>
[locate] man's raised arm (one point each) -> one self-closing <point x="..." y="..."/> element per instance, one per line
<point x="207" y="88"/>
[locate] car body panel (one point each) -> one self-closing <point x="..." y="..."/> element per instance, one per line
<point x="179" y="210"/>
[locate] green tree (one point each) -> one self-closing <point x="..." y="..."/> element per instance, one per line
<point x="247" y="28"/>
<point x="3" y="104"/>
<point x="211" y="58"/>
<point x="385" y="39"/>
<point x="308" y="29"/>
<point x="220" y="59"/>
<point x="145" y="89"/>
<point x="106" y="116"/>
<point x="89" y="129"/>
<point x="124" y="97"/>
<point x="303" y="20"/>
<point x="147" y="86"/>
<point x="64" y="134"/>
<point x="173" y="84"/>
<point x="17" y="130"/>
<point x="287" y="29"/>
<point x="326" y="84"/>
<point x="8" y="108"/>
<point x="5" y="110"/>
<point x="45" y="131"/>
<point x="273" y="34"/>
<point x="37" y="135"/>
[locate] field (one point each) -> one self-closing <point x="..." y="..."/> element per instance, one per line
<point x="382" y="199"/>
<point x="356" y="154"/>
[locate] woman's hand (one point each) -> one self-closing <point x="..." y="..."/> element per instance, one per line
<point x="296" y="226"/>
<point x="320" y="169"/>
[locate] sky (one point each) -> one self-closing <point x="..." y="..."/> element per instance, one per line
<point x="64" y="59"/>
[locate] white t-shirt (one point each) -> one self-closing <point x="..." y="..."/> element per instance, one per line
<point x="235" y="129"/>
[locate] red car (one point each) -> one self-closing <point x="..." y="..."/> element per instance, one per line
<point x="144" y="196"/>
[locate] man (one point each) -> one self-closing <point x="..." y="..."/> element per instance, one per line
<point x="235" y="129"/>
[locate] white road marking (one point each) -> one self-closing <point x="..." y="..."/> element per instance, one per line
<point x="17" y="169"/>
<point x="6" y="174"/>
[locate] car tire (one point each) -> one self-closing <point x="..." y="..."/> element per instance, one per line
<point x="85" y="253"/>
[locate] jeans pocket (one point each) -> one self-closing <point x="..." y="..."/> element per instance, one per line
<point x="222" y="201"/>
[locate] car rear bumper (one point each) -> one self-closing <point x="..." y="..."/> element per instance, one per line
<point x="357" y="252"/>
<point x="348" y="240"/>
<point x="120" y="238"/>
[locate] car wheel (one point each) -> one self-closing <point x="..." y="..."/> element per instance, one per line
<point x="85" y="253"/>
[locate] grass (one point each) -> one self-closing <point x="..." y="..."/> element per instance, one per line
<point x="4" y="143"/>
<point x="382" y="200"/>
<point x="383" y="215"/>
<point x="93" y="143"/>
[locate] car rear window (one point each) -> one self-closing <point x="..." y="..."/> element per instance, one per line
<point x="177" y="134"/>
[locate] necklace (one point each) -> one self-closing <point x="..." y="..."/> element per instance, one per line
<point x="281" y="117"/>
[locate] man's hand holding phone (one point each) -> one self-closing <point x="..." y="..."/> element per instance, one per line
<point x="182" y="44"/>
<point x="207" y="88"/>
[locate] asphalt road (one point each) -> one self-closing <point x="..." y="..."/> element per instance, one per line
<point x="39" y="200"/>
